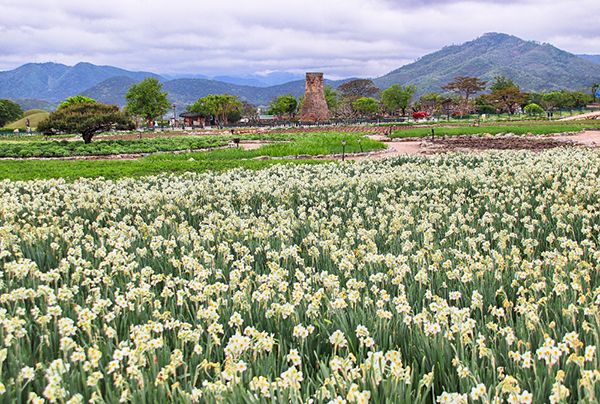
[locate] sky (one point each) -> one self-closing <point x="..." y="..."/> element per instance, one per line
<point x="341" y="38"/>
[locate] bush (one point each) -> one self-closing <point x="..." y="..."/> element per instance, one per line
<point x="20" y="128"/>
<point x="533" y="109"/>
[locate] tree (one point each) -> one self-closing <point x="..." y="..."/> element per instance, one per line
<point x="218" y="105"/>
<point x="146" y="99"/>
<point x="562" y="99"/>
<point x="551" y="100"/>
<point x="578" y="99"/>
<point x="355" y="89"/>
<point x="366" y="105"/>
<point x="249" y="110"/>
<point x="85" y="118"/>
<point x="234" y="114"/>
<point x="283" y="105"/>
<point x="595" y="87"/>
<point x="76" y="99"/>
<point x="9" y="112"/>
<point x="398" y="96"/>
<point x="507" y="99"/>
<point x="501" y="82"/>
<point x="431" y="103"/>
<point x="465" y="87"/>
<point x="351" y="91"/>
<point x="332" y="100"/>
<point x="483" y="105"/>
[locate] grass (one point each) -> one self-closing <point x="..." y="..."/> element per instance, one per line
<point x="216" y="160"/>
<point x="35" y="117"/>
<point x="321" y="143"/>
<point x="25" y="137"/>
<point x="308" y="145"/>
<point x="31" y="112"/>
<point x="26" y="170"/>
<point x="65" y="148"/>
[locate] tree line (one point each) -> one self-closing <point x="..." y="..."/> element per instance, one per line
<point x="353" y="99"/>
<point x="463" y="96"/>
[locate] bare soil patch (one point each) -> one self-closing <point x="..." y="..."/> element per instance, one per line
<point x="467" y="144"/>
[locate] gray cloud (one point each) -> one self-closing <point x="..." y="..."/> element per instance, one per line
<point x="341" y="38"/>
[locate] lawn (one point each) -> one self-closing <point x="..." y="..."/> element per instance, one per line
<point x="216" y="160"/>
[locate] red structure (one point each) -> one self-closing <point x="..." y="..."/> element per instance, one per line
<point x="314" y="107"/>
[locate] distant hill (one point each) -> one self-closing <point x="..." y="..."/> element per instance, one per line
<point x="257" y="80"/>
<point x="54" y="81"/>
<point x="111" y="91"/>
<point x="531" y="65"/>
<point x="184" y="92"/>
<point x="30" y="104"/>
<point x="253" y="80"/>
<point x="592" y="58"/>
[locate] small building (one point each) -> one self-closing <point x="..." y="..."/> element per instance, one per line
<point x="192" y="119"/>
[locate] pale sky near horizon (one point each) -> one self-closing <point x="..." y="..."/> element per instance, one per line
<point x="341" y="38"/>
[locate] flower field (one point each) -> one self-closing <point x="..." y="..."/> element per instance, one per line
<point x="449" y="279"/>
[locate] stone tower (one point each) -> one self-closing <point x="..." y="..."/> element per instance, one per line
<point x="314" y="107"/>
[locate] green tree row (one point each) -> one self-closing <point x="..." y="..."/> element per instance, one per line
<point x="9" y="112"/>
<point x="355" y="98"/>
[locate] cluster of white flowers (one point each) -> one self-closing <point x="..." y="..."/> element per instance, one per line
<point x="203" y="283"/>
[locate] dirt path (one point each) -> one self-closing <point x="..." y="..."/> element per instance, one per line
<point x="589" y="115"/>
<point x="588" y="137"/>
<point x="395" y="147"/>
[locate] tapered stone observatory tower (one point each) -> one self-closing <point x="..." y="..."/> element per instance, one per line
<point x="314" y="107"/>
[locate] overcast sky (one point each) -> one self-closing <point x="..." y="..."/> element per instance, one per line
<point x="341" y="38"/>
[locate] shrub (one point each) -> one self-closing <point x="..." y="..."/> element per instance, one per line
<point x="25" y="153"/>
<point x="533" y="109"/>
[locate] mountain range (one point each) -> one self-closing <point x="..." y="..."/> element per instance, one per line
<point x="532" y="65"/>
<point x="593" y="58"/>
